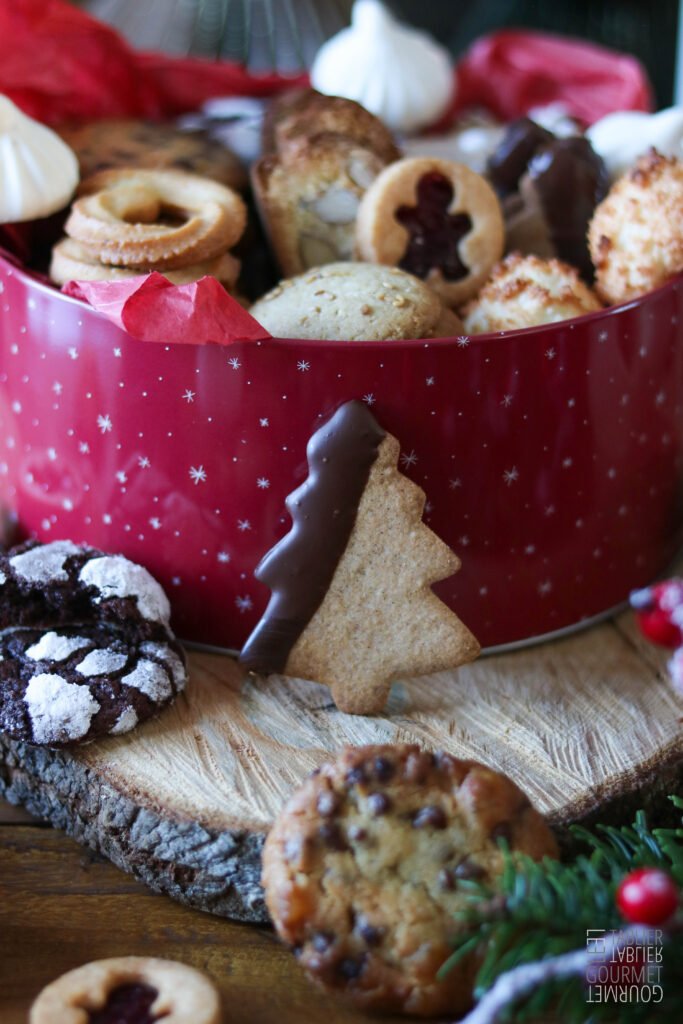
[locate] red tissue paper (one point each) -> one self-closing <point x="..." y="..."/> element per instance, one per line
<point x="150" y="308"/>
<point x="510" y="72"/>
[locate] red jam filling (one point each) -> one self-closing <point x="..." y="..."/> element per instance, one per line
<point x="434" y="234"/>
<point x="127" y="1004"/>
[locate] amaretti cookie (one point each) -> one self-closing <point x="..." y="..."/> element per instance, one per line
<point x="125" y="989"/>
<point x="351" y="302"/>
<point x="525" y="291"/>
<point x="351" y="600"/>
<point x="636" y="234"/>
<point x="86" y="648"/>
<point x="363" y="868"/>
<point x="436" y="219"/>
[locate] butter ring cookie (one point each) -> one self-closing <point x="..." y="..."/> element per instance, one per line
<point x="135" y="217"/>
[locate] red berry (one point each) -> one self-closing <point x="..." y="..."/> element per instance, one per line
<point x="647" y="896"/>
<point x="659" y="612"/>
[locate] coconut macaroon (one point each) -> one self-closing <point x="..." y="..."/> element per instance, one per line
<point x="525" y="291"/>
<point x="636" y="234"/>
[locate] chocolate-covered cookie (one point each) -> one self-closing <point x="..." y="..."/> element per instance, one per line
<point x="550" y="188"/>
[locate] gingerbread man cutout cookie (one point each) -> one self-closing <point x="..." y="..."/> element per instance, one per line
<point x="436" y="219"/>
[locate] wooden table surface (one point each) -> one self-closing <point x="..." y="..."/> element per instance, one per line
<point x="61" y="906"/>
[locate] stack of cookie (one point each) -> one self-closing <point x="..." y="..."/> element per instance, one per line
<point x="152" y="198"/>
<point x="129" y="221"/>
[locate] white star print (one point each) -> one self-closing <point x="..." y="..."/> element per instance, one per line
<point x="223" y="557"/>
<point x="263" y="422"/>
<point x="121" y="477"/>
<point x="549" y="510"/>
<point x="243" y="603"/>
<point x="106" y="519"/>
<point x="550" y="353"/>
<point x="243" y="524"/>
<point x="262" y="483"/>
<point x="545" y="587"/>
<point x="104" y="423"/>
<point x="51" y="454"/>
<point x="72" y="353"/>
<point x="510" y="475"/>
<point x="462" y="341"/>
<point x="155" y="523"/>
<point x="198" y="474"/>
<point x="143" y="462"/>
<point x="117" y="353"/>
<point x="566" y="463"/>
<point x="602" y="337"/>
<point x="189" y="395"/>
<point x="506" y="401"/>
<point x="176" y="581"/>
<point x="303" y="365"/>
<point x="57" y="387"/>
<point x="463" y="541"/>
<point x="611" y="473"/>
<point x="234" y="363"/>
<point x="660" y="398"/>
<point x="428" y="508"/>
<point x="408" y="459"/>
<point x="68" y="504"/>
<point x="529" y="549"/>
<point x="454" y="484"/>
<point x="429" y="381"/>
<point x="369" y="399"/>
<point x="83" y="447"/>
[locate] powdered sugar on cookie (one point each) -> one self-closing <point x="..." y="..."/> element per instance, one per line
<point x="44" y="564"/>
<point x="115" y="576"/>
<point x="101" y="661"/>
<point x="60" y="711"/>
<point x="151" y="679"/>
<point x="53" y="647"/>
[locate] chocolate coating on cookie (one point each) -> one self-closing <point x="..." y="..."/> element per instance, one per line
<point x="370" y="901"/>
<point x="300" y="568"/>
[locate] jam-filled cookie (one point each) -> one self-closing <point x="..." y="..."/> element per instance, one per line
<point x="86" y="649"/>
<point x="135" y="989"/>
<point x="362" y="871"/>
<point x="436" y="219"/>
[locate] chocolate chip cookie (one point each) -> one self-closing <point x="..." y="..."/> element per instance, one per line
<point x="100" y="145"/>
<point x="362" y="871"/>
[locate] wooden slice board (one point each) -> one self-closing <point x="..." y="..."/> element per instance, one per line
<point x="184" y="802"/>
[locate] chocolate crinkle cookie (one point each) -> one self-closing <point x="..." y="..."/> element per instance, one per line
<point x="362" y="871"/>
<point x="86" y="649"/>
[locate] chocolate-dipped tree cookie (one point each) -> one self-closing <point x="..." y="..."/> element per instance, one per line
<point x="351" y="603"/>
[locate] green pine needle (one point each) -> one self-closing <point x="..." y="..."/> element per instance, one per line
<point x="534" y="911"/>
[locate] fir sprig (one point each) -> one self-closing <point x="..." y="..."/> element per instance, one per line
<point x="540" y="912"/>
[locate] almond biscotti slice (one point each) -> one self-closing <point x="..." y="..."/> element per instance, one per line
<point x="308" y="201"/>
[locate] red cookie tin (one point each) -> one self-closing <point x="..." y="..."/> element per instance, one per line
<point x="552" y="458"/>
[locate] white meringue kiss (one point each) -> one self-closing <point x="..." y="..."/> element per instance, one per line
<point x="38" y="171"/>
<point x="622" y="137"/>
<point x="397" y="73"/>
